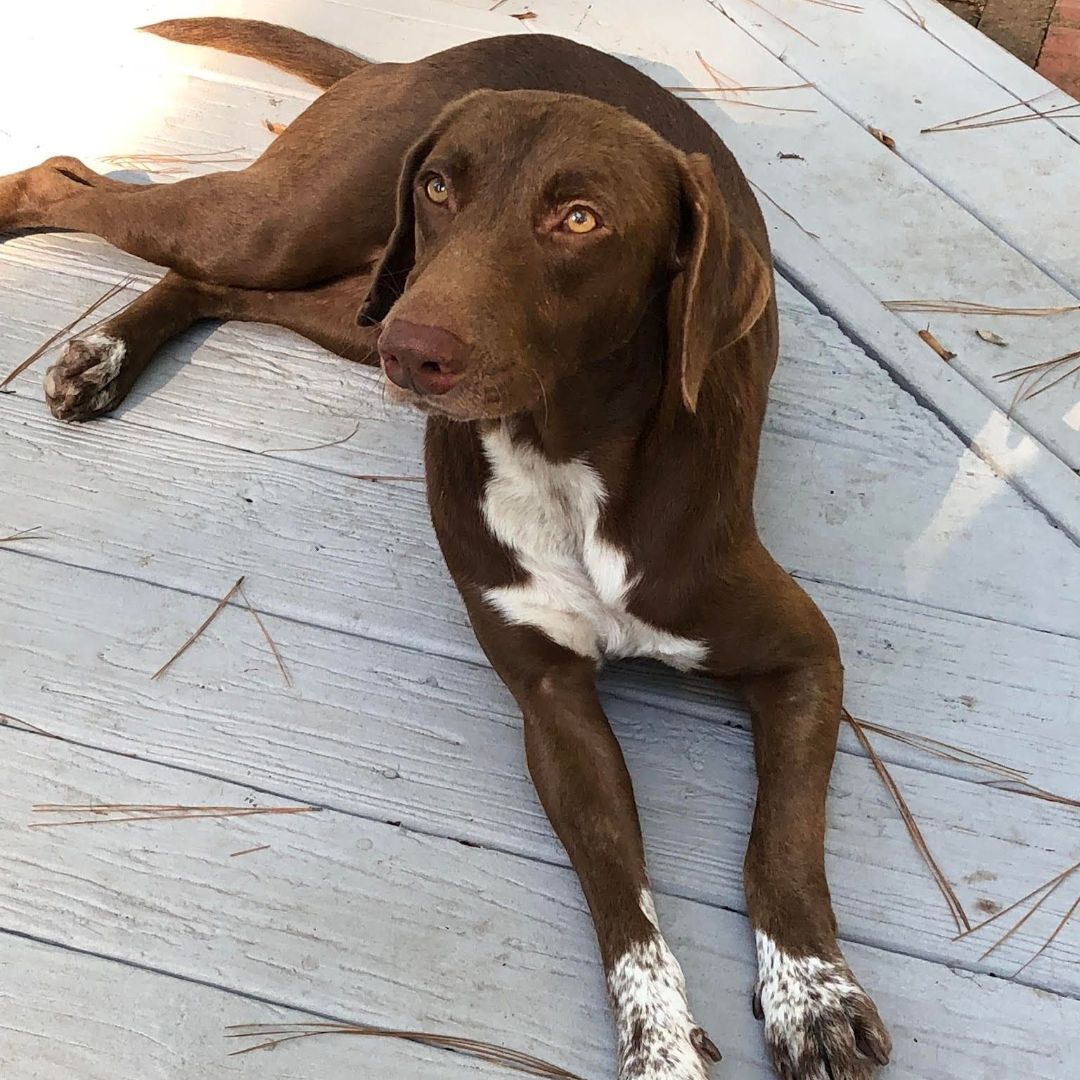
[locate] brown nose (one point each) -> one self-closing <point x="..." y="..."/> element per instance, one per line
<point x="426" y="359"/>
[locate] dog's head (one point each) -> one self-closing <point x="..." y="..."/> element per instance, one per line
<point x="534" y="230"/>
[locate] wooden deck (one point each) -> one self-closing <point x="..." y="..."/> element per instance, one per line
<point x="939" y="533"/>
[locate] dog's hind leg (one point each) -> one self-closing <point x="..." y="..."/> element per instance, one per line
<point x="223" y="227"/>
<point x="97" y="369"/>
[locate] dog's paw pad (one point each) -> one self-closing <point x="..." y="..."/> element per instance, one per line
<point x="84" y="382"/>
<point x="819" y="1022"/>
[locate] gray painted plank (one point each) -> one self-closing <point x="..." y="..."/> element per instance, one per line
<point x="348" y="917"/>
<point x="942" y="530"/>
<point x="66" y="1014"/>
<point x="396" y="735"/>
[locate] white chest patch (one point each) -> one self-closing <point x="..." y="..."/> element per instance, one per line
<point x="548" y="515"/>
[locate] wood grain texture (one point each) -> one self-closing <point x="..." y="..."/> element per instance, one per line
<point x="834" y="506"/>
<point x="373" y="922"/>
<point x="67" y="1015"/>
<point x="395" y="735"/>
<point x="910" y="237"/>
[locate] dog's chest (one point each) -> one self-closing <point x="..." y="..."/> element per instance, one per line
<point x="548" y="515"/>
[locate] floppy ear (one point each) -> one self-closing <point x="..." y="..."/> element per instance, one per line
<point x="724" y="286"/>
<point x="400" y="253"/>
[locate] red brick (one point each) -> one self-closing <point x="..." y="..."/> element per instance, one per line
<point x="1060" y="58"/>
<point x="1067" y="12"/>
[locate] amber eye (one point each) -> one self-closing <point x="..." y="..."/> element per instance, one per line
<point x="436" y="189"/>
<point x="580" y="220"/>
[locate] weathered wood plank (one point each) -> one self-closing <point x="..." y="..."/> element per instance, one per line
<point x="67" y="1014"/>
<point x="360" y="556"/>
<point x="899" y="232"/>
<point x="396" y="735"/>
<point x="888" y="264"/>
<point x="353" y="918"/>
<point x="883" y="70"/>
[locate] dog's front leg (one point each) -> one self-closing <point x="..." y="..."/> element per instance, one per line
<point x="583" y="784"/>
<point x="819" y="1022"/>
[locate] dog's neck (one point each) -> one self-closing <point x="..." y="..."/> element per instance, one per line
<point x="606" y="405"/>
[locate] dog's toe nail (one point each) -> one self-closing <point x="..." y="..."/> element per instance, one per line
<point x="704" y="1045"/>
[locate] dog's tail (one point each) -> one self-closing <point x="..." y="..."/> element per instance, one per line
<point x="299" y="54"/>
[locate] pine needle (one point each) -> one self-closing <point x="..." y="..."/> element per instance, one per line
<point x="24" y="534"/>
<point x="987" y="112"/>
<point x="147" y="162"/>
<point x="836" y="5"/>
<point x="106" y="813"/>
<point x="1053" y="882"/>
<point x="956" y="909"/>
<point x="266" y="634"/>
<point x="249" y="851"/>
<point x="1052" y="938"/>
<point x="378" y="478"/>
<point x="202" y="629"/>
<point x="24" y="725"/>
<point x="48" y="344"/>
<point x="317" y="446"/>
<point x="790" y="216"/>
<point x="967" y="307"/>
<point x="1033" y="377"/>
<point x="1021" y="922"/>
<point x="725" y="85"/>
<point x="915" y="16"/>
<point x="946" y="750"/>
<point x="498" y="1055"/>
<point x="1061" y="111"/>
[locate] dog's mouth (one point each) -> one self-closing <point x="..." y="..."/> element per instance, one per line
<point x="471" y="399"/>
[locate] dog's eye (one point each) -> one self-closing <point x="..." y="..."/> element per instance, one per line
<point x="580" y="220"/>
<point x="436" y="189"/>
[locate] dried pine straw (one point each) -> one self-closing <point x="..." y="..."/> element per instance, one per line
<point x="787" y="213"/>
<point x="266" y="634"/>
<point x="956" y="909"/>
<point x="146" y="162"/>
<point x="1047" y="889"/>
<point x="105" y="813"/>
<point x="497" y="1055"/>
<point x="24" y="725"/>
<point x="317" y="446"/>
<point x="524" y="16"/>
<point x="783" y="22"/>
<point x="249" y="851"/>
<point x="1006" y="777"/>
<point x="202" y="629"/>
<point x="48" y="344"/>
<point x="1033" y="376"/>
<point x="964" y="122"/>
<point x="945" y="354"/>
<point x="24" y="534"/>
<point x="1052" y="938"/>
<point x="837" y="5"/>
<point x="724" y="84"/>
<point x="378" y="478"/>
<point x="914" y="16"/>
<point x="969" y="307"/>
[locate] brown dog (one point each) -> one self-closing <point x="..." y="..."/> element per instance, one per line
<point x="572" y="278"/>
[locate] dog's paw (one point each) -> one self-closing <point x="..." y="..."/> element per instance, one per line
<point x="658" y="1037"/>
<point x="84" y="382"/>
<point x="819" y="1022"/>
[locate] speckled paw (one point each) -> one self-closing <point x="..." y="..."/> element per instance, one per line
<point x="84" y="382"/>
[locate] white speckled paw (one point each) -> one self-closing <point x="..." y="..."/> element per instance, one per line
<point x="819" y="1022"/>
<point x="83" y="383"/>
